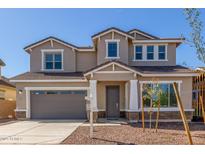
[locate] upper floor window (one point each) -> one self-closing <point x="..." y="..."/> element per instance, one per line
<point x="112" y="48"/>
<point x="53" y="60"/>
<point x="150" y="52"/>
<point x="161" y="52"/>
<point x="138" y="52"/>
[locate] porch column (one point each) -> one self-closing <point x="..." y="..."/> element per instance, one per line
<point x="133" y="95"/>
<point x="28" y="110"/>
<point x="93" y="95"/>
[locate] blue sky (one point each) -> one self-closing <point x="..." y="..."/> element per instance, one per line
<point x="21" y="27"/>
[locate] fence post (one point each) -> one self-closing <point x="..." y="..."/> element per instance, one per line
<point x="202" y="107"/>
<point x="181" y="109"/>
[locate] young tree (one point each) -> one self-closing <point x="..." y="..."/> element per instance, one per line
<point x="196" y="39"/>
<point x="152" y="93"/>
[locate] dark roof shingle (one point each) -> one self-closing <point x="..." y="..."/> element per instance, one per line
<point x="48" y="76"/>
<point x="5" y="82"/>
<point x="150" y="69"/>
<point x="163" y="69"/>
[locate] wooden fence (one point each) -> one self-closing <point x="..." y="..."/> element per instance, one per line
<point x="7" y="109"/>
<point x="198" y="91"/>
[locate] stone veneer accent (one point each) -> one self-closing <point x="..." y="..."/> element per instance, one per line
<point x="164" y="115"/>
<point x="168" y="115"/>
<point x="136" y="116"/>
<point x="20" y="114"/>
<point x="102" y="114"/>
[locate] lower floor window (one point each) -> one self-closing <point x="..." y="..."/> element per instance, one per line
<point x="163" y="92"/>
<point x="2" y="94"/>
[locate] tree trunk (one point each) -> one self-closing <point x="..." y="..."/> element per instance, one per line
<point x="143" y="125"/>
<point x="157" y="118"/>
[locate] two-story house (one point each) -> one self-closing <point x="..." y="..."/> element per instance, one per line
<point x="110" y="75"/>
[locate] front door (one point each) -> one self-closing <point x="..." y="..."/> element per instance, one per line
<point x="112" y="102"/>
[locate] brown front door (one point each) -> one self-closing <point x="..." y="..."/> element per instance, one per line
<point x="112" y="102"/>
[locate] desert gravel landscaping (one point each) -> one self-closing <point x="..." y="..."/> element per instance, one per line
<point x="168" y="133"/>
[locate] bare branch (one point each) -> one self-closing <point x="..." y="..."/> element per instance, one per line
<point x="197" y="40"/>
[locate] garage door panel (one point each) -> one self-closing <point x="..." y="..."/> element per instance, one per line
<point x="70" y="105"/>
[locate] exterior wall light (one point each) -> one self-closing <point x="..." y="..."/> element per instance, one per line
<point x="20" y="91"/>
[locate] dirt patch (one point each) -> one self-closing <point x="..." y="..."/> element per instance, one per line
<point x="168" y="133"/>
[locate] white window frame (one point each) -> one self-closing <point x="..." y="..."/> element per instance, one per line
<point x="135" y="52"/>
<point x="156" y="52"/>
<point x="179" y="82"/>
<point x="118" y="48"/>
<point x="154" y="48"/>
<point x="45" y="51"/>
<point x="165" y="52"/>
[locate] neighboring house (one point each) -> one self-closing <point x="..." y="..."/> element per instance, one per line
<point x="199" y="90"/>
<point x="7" y="96"/>
<point x="65" y="78"/>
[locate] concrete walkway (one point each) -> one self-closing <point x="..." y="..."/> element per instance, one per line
<point x="38" y="132"/>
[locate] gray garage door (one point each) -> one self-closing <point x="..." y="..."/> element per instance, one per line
<point x="58" y="105"/>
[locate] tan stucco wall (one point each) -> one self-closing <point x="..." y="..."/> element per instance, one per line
<point x="101" y="94"/>
<point x="85" y="60"/>
<point x="68" y="55"/>
<point x="10" y="93"/>
<point x="171" y="57"/>
<point x="73" y="60"/>
<point x="101" y="48"/>
<point x="21" y="98"/>
<point x="185" y="88"/>
<point x="114" y="76"/>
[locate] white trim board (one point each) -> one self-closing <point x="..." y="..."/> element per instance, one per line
<point x="158" y="41"/>
<point x="73" y="80"/>
<point x="20" y="110"/>
<point x="171" y="75"/>
<point x="56" y="88"/>
<point x="110" y="72"/>
<point x="164" y="81"/>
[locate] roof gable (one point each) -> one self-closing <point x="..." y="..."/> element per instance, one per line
<point x="149" y="36"/>
<point x="123" y="67"/>
<point x="112" y="29"/>
<point x="51" y="39"/>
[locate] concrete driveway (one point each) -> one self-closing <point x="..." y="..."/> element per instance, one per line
<point x="37" y="132"/>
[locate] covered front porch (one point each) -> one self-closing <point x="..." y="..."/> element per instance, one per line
<point x="113" y="91"/>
